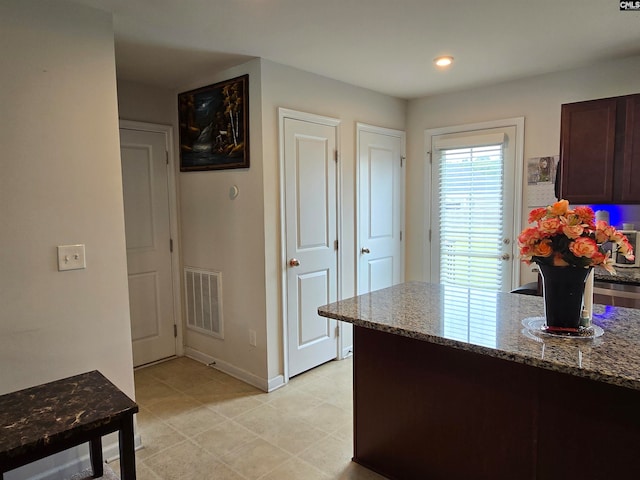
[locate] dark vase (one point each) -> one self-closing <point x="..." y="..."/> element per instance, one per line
<point x="563" y="290"/>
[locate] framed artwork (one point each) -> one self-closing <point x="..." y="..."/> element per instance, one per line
<point x="214" y="126"/>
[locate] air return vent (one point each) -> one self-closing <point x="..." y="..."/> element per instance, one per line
<point x="203" y="299"/>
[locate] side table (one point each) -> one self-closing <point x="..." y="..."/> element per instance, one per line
<point x="39" y="421"/>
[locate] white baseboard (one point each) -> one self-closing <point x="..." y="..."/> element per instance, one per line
<point x="276" y="382"/>
<point x="69" y="462"/>
<point x="266" y="385"/>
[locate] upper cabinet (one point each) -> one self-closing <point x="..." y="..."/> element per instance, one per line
<point x="600" y="151"/>
<point x="631" y="165"/>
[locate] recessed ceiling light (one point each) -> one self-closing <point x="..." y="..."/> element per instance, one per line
<point x="443" y="61"/>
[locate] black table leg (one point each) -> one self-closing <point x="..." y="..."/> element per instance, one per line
<point x="127" y="449"/>
<point x="95" y="453"/>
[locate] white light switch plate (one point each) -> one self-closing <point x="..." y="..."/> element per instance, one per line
<point x="71" y="257"/>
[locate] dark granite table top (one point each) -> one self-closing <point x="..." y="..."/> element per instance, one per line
<point x="38" y="416"/>
<point x="491" y="323"/>
<point x="623" y="275"/>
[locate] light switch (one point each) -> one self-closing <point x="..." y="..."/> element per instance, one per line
<point x="71" y="257"/>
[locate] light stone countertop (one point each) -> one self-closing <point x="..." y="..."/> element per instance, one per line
<point x="490" y="323"/>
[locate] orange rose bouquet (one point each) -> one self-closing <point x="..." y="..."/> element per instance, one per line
<point x="563" y="237"/>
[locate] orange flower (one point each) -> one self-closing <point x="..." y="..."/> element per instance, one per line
<point x="573" y="231"/>
<point x="550" y="226"/>
<point x="543" y="249"/>
<point x="537" y="214"/>
<point x="626" y="249"/>
<point x="601" y="232"/>
<point x="528" y="236"/>
<point x="617" y="236"/>
<point x="585" y="213"/>
<point x="584" y="247"/>
<point x="559" y="208"/>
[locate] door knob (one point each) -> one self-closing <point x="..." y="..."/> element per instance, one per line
<point x="365" y="251"/>
<point x="505" y="256"/>
<point x="294" y="262"/>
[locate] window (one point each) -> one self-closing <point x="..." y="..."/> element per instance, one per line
<point x="471" y="195"/>
<point x="472" y="224"/>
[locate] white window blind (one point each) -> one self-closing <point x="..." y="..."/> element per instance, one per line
<point x="471" y="198"/>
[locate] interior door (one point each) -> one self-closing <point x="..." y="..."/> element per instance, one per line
<point x="380" y="208"/>
<point x="310" y="187"/>
<point x="148" y="237"/>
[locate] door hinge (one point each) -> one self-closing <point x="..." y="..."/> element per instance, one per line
<point x="400" y="235"/>
<point x="335" y="244"/>
<point x="175" y="330"/>
<point x="429" y="153"/>
<point x="402" y="159"/>
<point x="337" y="331"/>
<point x="166" y="156"/>
<point x="335" y="155"/>
<point x="171" y="245"/>
<point x="429" y="235"/>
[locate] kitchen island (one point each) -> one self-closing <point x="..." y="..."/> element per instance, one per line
<point x="448" y="383"/>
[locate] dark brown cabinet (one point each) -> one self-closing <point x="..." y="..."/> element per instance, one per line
<point x="631" y="165"/>
<point x="600" y="151"/>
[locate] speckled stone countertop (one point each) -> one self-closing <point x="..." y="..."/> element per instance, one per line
<point x="623" y="275"/>
<point x="58" y="411"/>
<point x="491" y="324"/>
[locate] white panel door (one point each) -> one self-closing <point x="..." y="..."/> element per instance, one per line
<point x="380" y="208"/>
<point x="310" y="188"/>
<point x="148" y="236"/>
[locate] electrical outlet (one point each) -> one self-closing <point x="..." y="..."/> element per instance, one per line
<point x="252" y="338"/>
<point x="71" y="257"/>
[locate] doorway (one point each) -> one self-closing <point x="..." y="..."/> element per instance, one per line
<point x="476" y="197"/>
<point x="151" y="240"/>
<point x="380" y="225"/>
<point x="309" y="173"/>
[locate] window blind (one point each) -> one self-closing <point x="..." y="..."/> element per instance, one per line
<point x="470" y="315"/>
<point x="471" y="197"/>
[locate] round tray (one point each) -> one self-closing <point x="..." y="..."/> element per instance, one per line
<point x="538" y="326"/>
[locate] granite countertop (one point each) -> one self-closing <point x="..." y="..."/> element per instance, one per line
<point x="623" y="275"/>
<point x="490" y="323"/>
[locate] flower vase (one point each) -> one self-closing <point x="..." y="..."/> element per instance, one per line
<point x="563" y="291"/>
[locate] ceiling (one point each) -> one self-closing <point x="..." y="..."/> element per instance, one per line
<point x="383" y="45"/>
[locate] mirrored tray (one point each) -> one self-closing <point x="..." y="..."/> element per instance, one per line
<point x="537" y="326"/>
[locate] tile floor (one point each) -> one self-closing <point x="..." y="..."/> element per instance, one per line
<point x="199" y="423"/>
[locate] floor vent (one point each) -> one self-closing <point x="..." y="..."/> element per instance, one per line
<point x="203" y="299"/>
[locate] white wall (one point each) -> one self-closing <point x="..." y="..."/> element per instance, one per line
<point x="227" y="235"/>
<point x="146" y="103"/>
<point x="60" y="184"/>
<point x="538" y="99"/>
<point x="298" y="90"/>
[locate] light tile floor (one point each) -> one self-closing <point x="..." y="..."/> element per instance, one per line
<point x="199" y="423"/>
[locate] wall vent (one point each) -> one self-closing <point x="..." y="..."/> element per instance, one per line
<point x="203" y="299"/>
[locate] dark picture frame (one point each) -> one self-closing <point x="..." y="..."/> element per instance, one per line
<point x="214" y="126"/>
